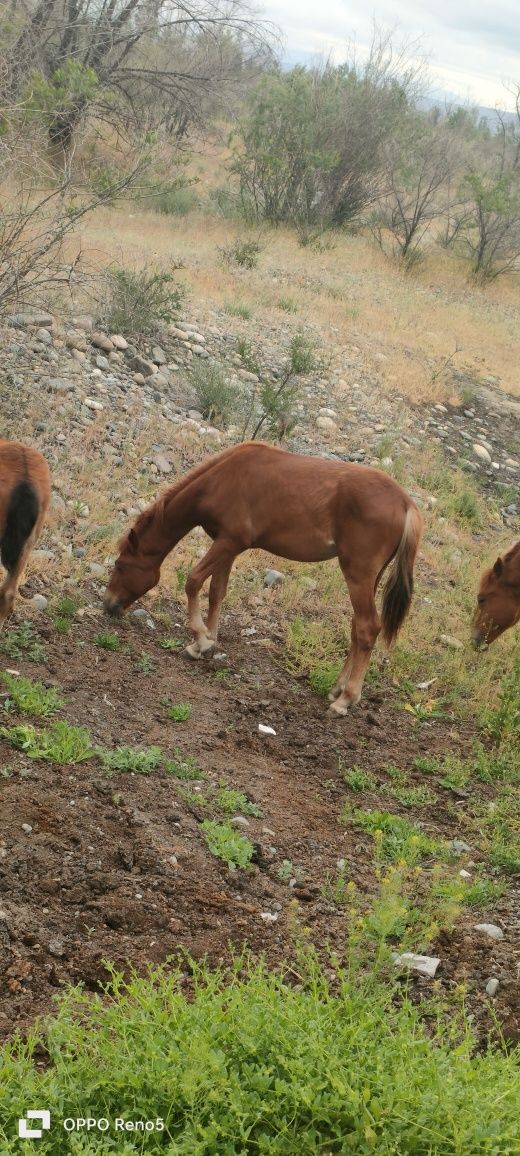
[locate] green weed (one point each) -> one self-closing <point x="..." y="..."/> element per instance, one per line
<point x="139" y="761"/>
<point x="235" y="802"/>
<point x="31" y="697"/>
<point x="183" y="768"/>
<point x="227" y="844"/>
<point x="22" y="642"/>
<point x="108" y="641"/>
<point x="61" y="743"/>
<point x="266" y="1067"/>
<point x="170" y="643"/>
<point x="63" y="613"/>
<point x="358" y="779"/>
<point x="179" y="712"/>
<point x="145" y="664"/>
<point x="396" y="838"/>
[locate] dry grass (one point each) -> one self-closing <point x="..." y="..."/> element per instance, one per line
<point x="409" y="329"/>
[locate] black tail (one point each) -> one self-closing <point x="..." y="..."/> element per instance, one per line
<point x="22" y="513"/>
<point x="399" y="587"/>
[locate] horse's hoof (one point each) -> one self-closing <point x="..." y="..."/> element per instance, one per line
<point x="334" y="693"/>
<point x="340" y="707"/>
<point x="193" y="650"/>
<point x="207" y="648"/>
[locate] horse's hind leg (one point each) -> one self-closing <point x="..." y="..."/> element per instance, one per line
<point x="217" y="562"/>
<point x="9" y="587"/>
<point x="366" y="626"/>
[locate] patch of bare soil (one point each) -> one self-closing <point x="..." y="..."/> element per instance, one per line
<point x="96" y="867"/>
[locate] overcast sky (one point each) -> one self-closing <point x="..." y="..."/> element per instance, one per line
<point x="473" y="46"/>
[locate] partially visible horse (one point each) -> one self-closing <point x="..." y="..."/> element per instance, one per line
<point x="25" y="490"/>
<point x="256" y="496"/>
<point x="498" y="599"/>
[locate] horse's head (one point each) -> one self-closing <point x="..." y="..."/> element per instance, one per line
<point x="498" y="600"/>
<point x="135" y="572"/>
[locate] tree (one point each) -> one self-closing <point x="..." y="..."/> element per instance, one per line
<point x="420" y="162"/>
<point x="310" y="148"/>
<point x="141" y="61"/>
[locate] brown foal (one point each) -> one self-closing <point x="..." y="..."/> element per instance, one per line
<point x="256" y="496"/>
<point x="498" y="599"/>
<point x="25" y="490"/>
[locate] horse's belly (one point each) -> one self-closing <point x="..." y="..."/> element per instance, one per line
<point x="298" y="548"/>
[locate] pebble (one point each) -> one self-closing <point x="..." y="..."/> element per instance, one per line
<point x="424" y="964"/>
<point x="492" y="987"/>
<point x="240" y="821"/>
<point x="27" y="828"/>
<point x="101" y="341"/>
<point x="119" y="342"/>
<point x="482" y="453"/>
<point x="163" y="464"/>
<point x="159" y="356"/>
<point x="265" y="730"/>
<point x="460" y="847"/>
<point x="273" y="578"/>
<point x="91" y="403"/>
<point x="327" y="424"/>
<point x="489" y="929"/>
<point x="39" y="602"/>
<point x="453" y="643"/>
<point x="44" y="336"/>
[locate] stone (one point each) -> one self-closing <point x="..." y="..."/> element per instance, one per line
<point x="102" y="362"/>
<point x="44" y="336"/>
<point x="27" y="828"/>
<point x="118" y="342"/>
<point x="39" y="602"/>
<point x="327" y="424"/>
<point x="387" y="461"/>
<point x="323" y="412"/>
<point x="265" y="730"/>
<point x="159" y="356"/>
<point x="460" y="847"/>
<point x="163" y="464"/>
<point x="240" y="821"/>
<point x="489" y="929"/>
<point x="453" y="643"/>
<point x="200" y="351"/>
<point x="28" y="317"/>
<point x="57" y="502"/>
<point x="101" y="341"/>
<point x="424" y="964"/>
<point x="273" y="577"/>
<point x="142" y="365"/>
<point x="91" y="403"/>
<point x="482" y="453"/>
<point x="492" y="987"/>
<point x="85" y="322"/>
<point x="180" y="334"/>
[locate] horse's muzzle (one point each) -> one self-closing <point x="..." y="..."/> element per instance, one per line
<point x="112" y="606"/>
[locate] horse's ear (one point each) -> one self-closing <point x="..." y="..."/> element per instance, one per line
<point x="498" y="568"/>
<point x="133" y="541"/>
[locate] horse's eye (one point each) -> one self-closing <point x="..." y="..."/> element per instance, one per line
<point x="481" y="599"/>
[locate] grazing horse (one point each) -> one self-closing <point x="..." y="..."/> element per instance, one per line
<point x="256" y="496"/>
<point x="498" y="599"/>
<point x="25" y="490"/>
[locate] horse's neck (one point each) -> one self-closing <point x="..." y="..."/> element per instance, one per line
<point x="179" y="516"/>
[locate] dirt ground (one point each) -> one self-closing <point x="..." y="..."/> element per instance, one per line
<point x="116" y="866"/>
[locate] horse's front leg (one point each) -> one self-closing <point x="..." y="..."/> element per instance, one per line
<point x="218" y="562"/>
